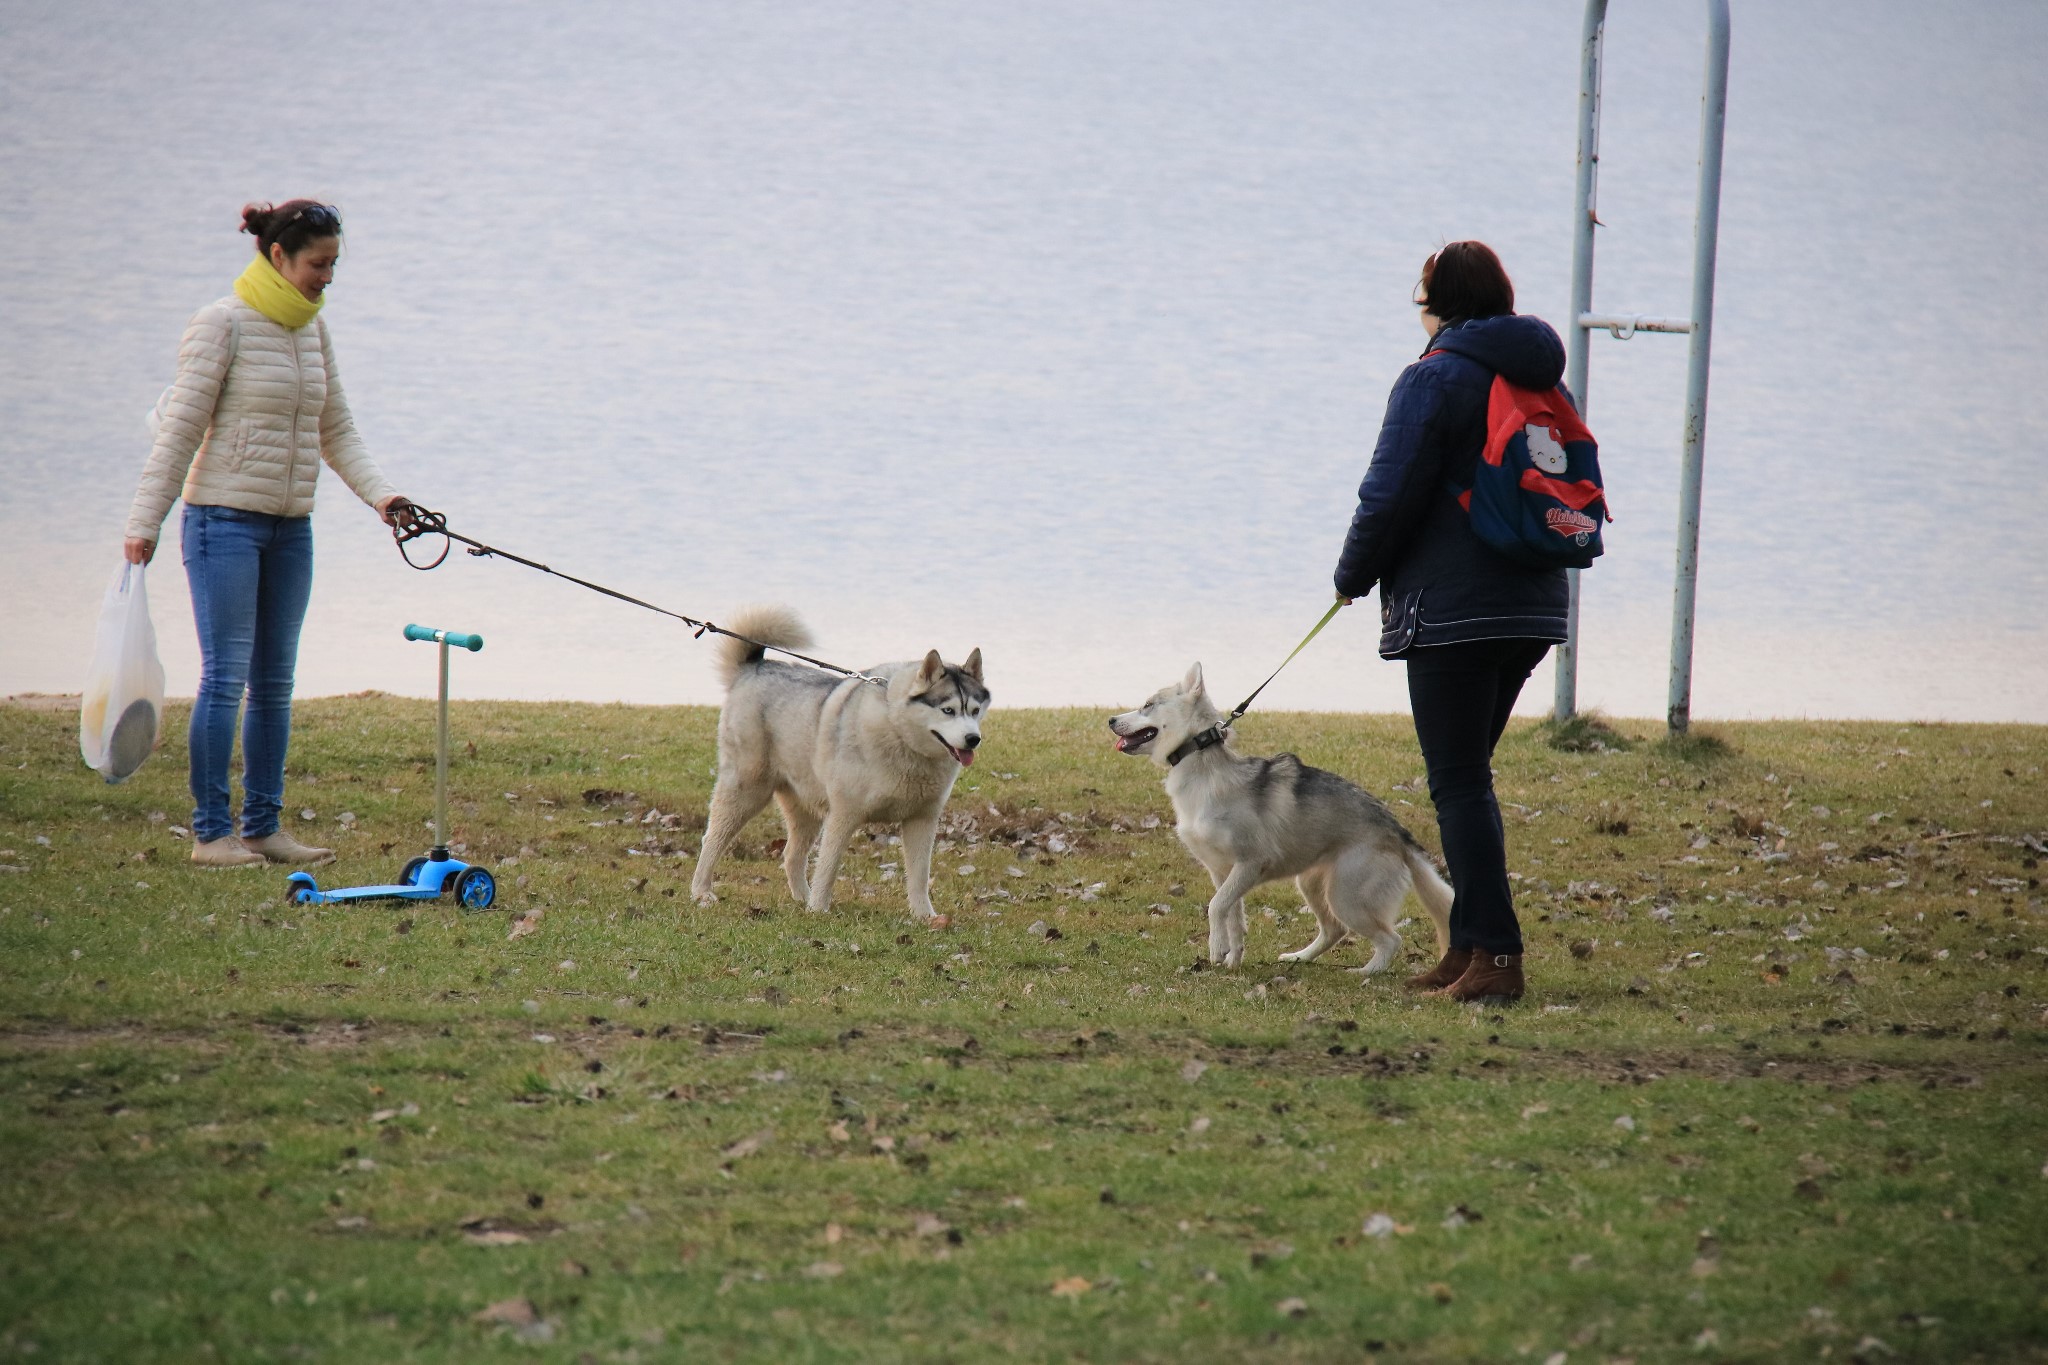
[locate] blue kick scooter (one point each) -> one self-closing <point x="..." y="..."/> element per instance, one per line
<point x="426" y="878"/>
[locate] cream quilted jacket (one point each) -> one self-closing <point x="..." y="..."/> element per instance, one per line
<point x="255" y="408"/>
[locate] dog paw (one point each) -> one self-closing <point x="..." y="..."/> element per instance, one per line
<point x="705" y="898"/>
<point x="1301" y="956"/>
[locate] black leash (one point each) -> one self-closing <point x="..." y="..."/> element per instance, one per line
<point x="416" y="522"/>
<point x="1217" y="733"/>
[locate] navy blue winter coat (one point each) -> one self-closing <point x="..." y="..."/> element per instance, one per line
<point x="1439" y="583"/>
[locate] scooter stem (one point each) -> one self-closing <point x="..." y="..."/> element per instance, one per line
<point x="441" y="766"/>
<point x="445" y="638"/>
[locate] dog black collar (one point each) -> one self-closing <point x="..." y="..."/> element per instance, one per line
<point x="1205" y="739"/>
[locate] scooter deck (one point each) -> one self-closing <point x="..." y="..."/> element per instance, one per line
<point x="371" y="893"/>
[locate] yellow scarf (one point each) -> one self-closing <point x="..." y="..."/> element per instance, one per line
<point x="271" y="294"/>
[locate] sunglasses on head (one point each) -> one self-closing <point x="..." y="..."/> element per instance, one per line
<point x="318" y="216"/>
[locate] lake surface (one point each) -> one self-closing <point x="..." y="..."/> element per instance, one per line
<point x="1059" y="329"/>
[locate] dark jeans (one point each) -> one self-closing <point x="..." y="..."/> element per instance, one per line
<point x="1461" y="695"/>
<point x="251" y="577"/>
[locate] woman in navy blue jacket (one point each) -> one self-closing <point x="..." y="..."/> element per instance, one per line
<point x="1471" y="624"/>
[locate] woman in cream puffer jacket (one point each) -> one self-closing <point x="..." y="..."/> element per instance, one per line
<point x="254" y="410"/>
<point x="241" y="434"/>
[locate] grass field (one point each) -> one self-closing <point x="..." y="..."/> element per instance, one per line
<point x="1780" y="1090"/>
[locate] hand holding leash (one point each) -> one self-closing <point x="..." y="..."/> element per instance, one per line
<point x="399" y="513"/>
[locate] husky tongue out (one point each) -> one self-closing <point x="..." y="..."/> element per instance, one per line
<point x="964" y="757"/>
<point x="1126" y="743"/>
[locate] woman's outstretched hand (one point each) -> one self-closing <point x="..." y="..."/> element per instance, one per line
<point x="137" y="550"/>
<point x="398" y="513"/>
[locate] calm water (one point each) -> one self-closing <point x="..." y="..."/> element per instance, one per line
<point x="1058" y="329"/>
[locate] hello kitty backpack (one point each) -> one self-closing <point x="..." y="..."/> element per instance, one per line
<point x="1536" y="494"/>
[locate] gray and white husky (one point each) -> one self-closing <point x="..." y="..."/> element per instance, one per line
<point x="836" y="753"/>
<point x="1256" y="820"/>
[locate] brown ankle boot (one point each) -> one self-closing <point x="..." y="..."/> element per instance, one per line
<point x="1492" y="978"/>
<point x="1445" y="973"/>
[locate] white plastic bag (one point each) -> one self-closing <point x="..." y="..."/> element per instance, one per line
<point x="123" y="707"/>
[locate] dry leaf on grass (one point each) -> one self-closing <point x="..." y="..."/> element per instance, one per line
<point x="823" y="1270"/>
<point x="1192" y="1069"/>
<point x="524" y="925"/>
<point x="515" y="1312"/>
<point x="494" y="1237"/>
<point x="748" y="1145"/>
<point x="928" y="1225"/>
<point x="1292" y="1308"/>
<point x="1073" y="1287"/>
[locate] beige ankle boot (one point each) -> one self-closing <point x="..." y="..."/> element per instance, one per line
<point x="228" y="852"/>
<point x="279" y="847"/>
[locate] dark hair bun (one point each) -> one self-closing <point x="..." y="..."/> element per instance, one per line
<point x="290" y="225"/>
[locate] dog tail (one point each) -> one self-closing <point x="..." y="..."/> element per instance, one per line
<point x="1434" y="893"/>
<point x="767" y="625"/>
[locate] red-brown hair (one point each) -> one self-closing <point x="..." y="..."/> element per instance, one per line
<point x="1465" y="280"/>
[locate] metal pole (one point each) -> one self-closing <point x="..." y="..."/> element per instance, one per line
<point x="441" y="765"/>
<point x="1565" y="698"/>
<point x="1706" y="234"/>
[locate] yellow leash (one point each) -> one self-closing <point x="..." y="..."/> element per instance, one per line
<point x="1246" y="704"/>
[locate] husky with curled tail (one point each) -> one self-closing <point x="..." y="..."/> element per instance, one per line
<point x="1256" y="820"/>
<point x="836" y="753"/>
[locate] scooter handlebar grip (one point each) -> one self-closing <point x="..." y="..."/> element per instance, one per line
<point x="456" y="639"/>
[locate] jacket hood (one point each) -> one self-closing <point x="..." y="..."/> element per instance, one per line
<point x="1522" y="350"/>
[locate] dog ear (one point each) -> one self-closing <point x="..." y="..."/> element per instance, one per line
<point x="1192" y="683"/>
<point x="931" y="670"/>
<point x="972" y="668"/>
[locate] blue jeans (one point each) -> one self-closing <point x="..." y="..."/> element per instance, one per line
<point x="1462" y="695"/>
<point x="251" y="577"/>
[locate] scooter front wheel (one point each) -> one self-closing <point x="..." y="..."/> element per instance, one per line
<point x="475" y="889"/>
